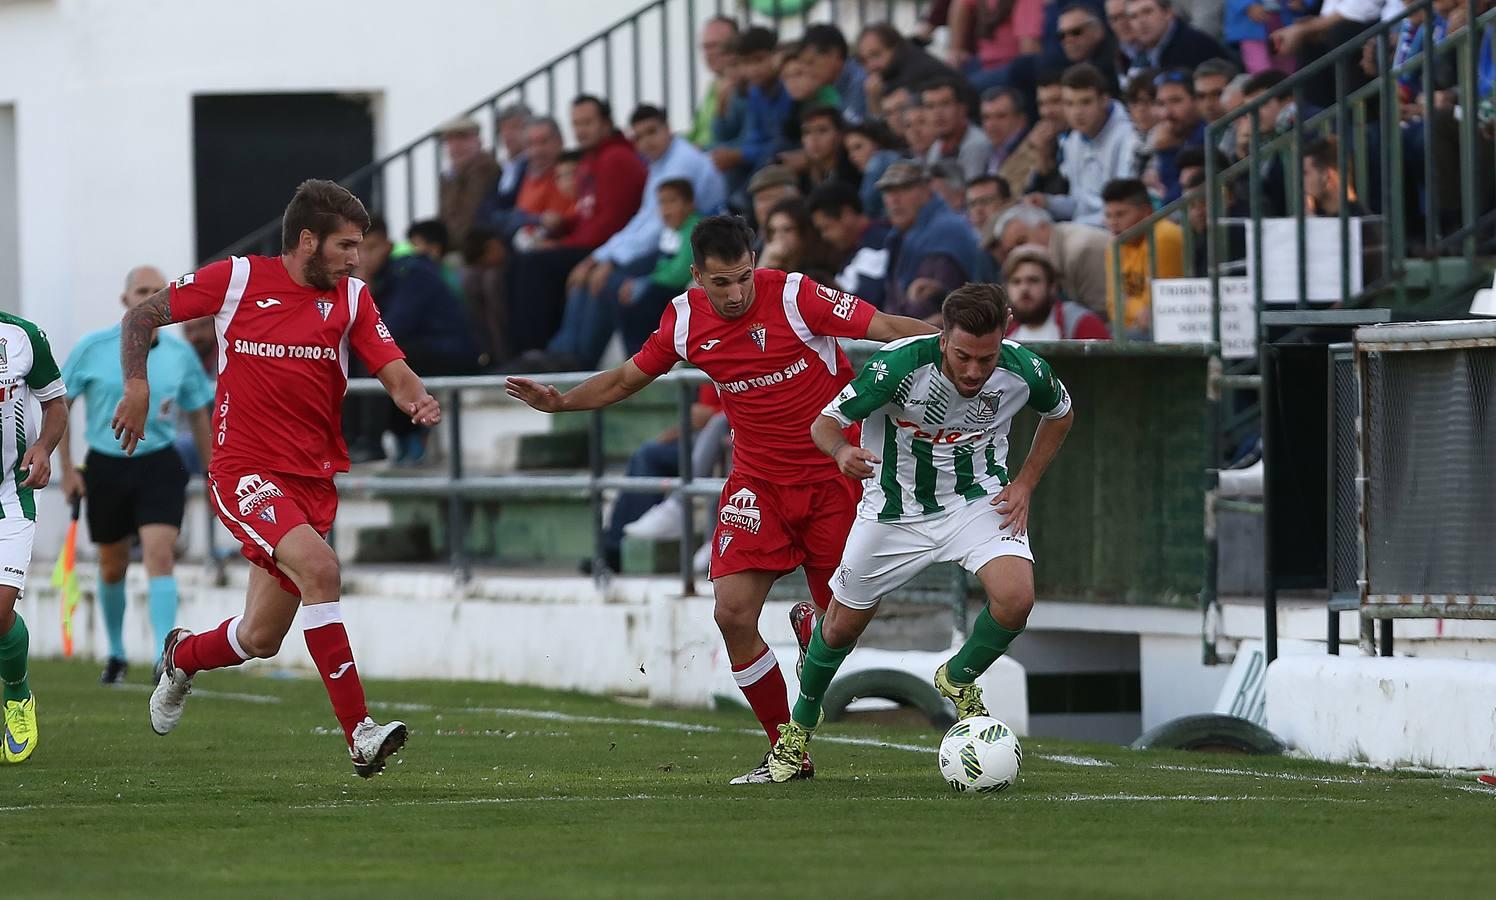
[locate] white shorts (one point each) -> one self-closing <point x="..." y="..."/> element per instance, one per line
<point x="882" y="556"/>
<point x="16" y="534"/>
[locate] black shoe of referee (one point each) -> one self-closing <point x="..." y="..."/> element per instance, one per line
<point x="114" y="671"/>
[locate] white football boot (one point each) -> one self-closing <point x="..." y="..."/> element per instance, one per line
<point x="374" y="743"/>
<point x="171" y="691"/>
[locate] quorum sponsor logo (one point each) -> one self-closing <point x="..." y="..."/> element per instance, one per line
<point x="741" y="511"/>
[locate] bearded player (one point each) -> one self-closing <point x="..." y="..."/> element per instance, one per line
<point x="934" y="452"/>
<point x="768" y="340"/>
<point x="286" y="326"/>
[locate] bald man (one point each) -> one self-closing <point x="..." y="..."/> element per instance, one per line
<point x="141" y="496"/>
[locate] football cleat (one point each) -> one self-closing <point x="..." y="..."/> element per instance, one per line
<point x="966" y="697"/>
<point x="114" y="671"/>
<point x="803" y="623"/>
<point x="1487" y="779"/>
<point x="786" y="759"/>
<point x="171" y="691"/>
<point x="20" y="729"/>
<point x="760" y="775"/>
<point x="374" y="743"/>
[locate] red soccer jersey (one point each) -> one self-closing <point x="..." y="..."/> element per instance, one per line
<point x="282" y="362"/>
<point x="776" y="366"/>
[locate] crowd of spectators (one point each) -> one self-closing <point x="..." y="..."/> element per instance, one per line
<point x="1009" y="141"/>
<point x="1000" y="140"/>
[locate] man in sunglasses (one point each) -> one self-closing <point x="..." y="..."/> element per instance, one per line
<point x="1083" y="38"/>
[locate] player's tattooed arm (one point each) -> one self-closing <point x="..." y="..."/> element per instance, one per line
<point x="138" y="327"/>
<point x="136" y="330"/>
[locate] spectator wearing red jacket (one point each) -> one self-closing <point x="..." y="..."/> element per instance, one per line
<point x="1040" y="312"/>
<point x="610" y="186"/>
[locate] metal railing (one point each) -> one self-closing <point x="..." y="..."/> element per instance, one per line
<point x="1348" y="119"/>
<point x="634" y="60"/>
<point x="457" y="487"/>
<point x="1337" y="120"/>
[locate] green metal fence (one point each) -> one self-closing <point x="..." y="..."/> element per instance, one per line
<point x="1372" y="160"/>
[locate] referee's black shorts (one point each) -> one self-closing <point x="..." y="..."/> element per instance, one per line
<point x="126" y="492"/>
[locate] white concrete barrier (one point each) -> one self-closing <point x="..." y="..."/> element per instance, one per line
<point x="634" y="637"/>
<point x="1388" y="712"/>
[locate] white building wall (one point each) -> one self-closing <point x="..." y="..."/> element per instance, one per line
<point x="102" y="92"/>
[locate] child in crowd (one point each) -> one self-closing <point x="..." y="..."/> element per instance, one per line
<point x="641" y="301"/>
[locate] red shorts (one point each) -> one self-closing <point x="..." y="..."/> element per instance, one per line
<point x="261" y="508"/>
<point x="777" y="528"/>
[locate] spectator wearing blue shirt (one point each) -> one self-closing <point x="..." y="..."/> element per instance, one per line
<point x="512" y="121"/>
<point x="1181" y="127"/>
<point x="669" y="157"/>
<point x="824" y="48"/>
<point x="860" y="243"/>
<point x="511" y="124"/>
<point x="752" y="131"/>
<point x="871" y="149"/>
<point x="933" y="249"/>
<point x="143" y="495"/>
<point x="592" y="290"/>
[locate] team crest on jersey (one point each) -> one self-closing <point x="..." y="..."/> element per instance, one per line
<point x="324" y="307"/>
<point x="741" y="511"/>
<point x="723" y="540"/>
<point x="268" y="514"/>
<point x="759" y="333"/>
<point x="4" y="356"/>
<point x="984" y="411"/>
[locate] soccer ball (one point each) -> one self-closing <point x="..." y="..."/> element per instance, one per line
<point x="980" y="754"/>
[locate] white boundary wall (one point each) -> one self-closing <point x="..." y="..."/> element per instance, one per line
<point x="638" y="639"/>
<point x="1436" y="713"/>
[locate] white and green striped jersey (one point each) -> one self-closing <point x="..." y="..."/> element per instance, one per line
<point x="27" y="370"/>
<point x="939" y="450"/>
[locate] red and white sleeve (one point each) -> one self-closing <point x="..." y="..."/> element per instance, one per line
<point x="828" y="311"/>
<point x="368" y="336"/>
<point x="659" y="354"/>
<point x="201" y="293"/>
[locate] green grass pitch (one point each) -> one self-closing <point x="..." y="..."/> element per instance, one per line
<point x="515" y="792"/>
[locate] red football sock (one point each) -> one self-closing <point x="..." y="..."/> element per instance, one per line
<point x="216" y="649"/>
<point x="819" y="582"/>
<point x="322" y="624"/>
<point x="763" y="684"/>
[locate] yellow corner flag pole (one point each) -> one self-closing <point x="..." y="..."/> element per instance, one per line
<point x="65" y="579"/>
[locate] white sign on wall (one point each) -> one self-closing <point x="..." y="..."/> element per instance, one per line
<point x="1280" y="259"/>
<point x="1183" y="310"/>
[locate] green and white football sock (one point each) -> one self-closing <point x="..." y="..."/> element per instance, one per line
<point x="986" y="644"/>
<point x="821" y="663"/>
<point x="14" y="645"/>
